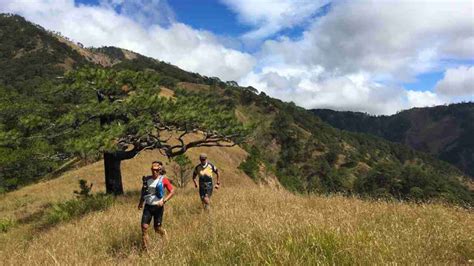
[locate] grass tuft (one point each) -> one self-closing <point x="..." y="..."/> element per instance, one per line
<point x="6" y="224"/>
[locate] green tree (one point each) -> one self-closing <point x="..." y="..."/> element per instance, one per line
<point x="23" y="157"/>
<point x="120" y="114"/>
<point x="182" y="169"/>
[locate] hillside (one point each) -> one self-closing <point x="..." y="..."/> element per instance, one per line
<point x="249" y="224"/>
<point x="443" y="131"/>
<point x="305" y="154"/>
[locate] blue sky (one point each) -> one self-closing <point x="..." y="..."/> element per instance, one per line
<point x="209" y="15"/>
<point x="361" y="55"/>
<point x="425" y="81"/>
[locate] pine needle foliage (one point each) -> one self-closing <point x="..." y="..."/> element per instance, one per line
<point x="108" y="110"/>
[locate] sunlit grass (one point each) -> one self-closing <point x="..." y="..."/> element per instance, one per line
<point x="247" y="224"/>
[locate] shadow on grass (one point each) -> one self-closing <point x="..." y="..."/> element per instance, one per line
<point x="124" y="245"/>
<point x="34" y="217"/>
<point x="130" y="195"/>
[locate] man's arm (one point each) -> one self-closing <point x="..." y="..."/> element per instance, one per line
<point x="216" y="171"/>
<point x="142" y="194"/>
<point x="170" y="188"/>
<point x="194" y="178"/>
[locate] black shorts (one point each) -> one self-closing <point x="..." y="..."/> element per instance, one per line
<point x="205" y="188"/>
<point x="152" y="211"/>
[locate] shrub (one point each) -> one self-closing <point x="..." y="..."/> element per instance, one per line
<point x="85" y="189"/>
<point x="6" y="224"/>
<point x="83" y="204"/>
<point x="65" y="211"/>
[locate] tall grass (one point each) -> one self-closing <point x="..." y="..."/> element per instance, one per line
<point x="251" y="225"/>
<point x="247" y="224"/>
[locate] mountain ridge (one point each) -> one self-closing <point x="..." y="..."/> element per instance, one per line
<point x="444" y="131"/>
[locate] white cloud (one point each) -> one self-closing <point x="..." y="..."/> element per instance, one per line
<point x="423" y="98"/>
<point x="363" y="50"/>
<point x="314" y="88"/>
<point x="457" y="82"/>
<point x="190" y="49"/>
<point x="392" y="39"/>
<point x="270" y="16"/>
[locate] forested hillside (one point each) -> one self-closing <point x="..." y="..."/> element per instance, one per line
<point x="304" y="153"/>
<point x="443" y="131"/>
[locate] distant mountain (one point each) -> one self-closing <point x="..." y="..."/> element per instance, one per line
<point x="446" y="132"/>
<point x="285" y="141"/>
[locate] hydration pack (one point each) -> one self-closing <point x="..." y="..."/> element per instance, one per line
<point x="159" y="191"/>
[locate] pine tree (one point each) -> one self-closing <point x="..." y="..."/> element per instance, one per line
<point x="120" y="114"/>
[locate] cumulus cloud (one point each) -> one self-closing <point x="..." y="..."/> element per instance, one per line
<point x="361" y="52"/>
<point x="270" y="16"/>
<point x="191" y="49"/>
<point x="395" y="39"/>
<point x="424" y="98"/>
<point x="457" y="82"/>
<point x="315" y="88"/>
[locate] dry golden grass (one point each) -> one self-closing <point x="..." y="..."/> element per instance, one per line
<point x="248" y="224"/>
<point x="194" y="87"/>
<point x="167" y="93"/>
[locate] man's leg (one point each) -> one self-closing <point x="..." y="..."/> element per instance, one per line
<point x="158" y="221"/>
<point x="161" y="231"/>
<point x="145" y="223"/>
<point x="205" y="194"/>
<point x="145" y="239"/>
<point x="206" y="202"/>
<point x="202" y="193"/>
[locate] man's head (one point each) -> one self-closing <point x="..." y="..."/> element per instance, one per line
<point x="203" y="158"/>
<point x="156" y="167"/>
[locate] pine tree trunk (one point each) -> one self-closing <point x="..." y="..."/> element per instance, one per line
<point x="113" y="174"/>
<point x="112" y="161"/>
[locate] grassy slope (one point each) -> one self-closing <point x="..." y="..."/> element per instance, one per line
<point x="248" y="224"/>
